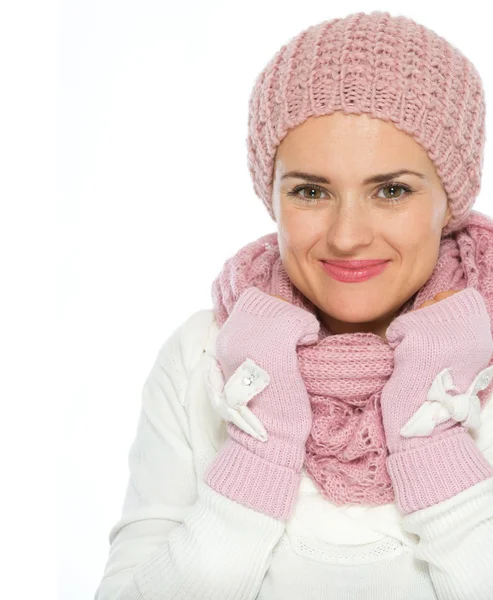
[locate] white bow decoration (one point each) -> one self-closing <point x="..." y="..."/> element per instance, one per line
<point x="440" y="406"/>
<point x="230" y="399"/>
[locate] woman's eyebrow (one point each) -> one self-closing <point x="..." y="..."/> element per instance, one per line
<point x="373" y="179"/>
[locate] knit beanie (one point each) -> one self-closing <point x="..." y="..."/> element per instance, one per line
<point x="389" y="67"/>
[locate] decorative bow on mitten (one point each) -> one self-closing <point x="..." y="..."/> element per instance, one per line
<point x="230" y="399"/>
<point x="438" y="349"/>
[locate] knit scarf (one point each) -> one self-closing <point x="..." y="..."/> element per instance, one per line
<point x="344" y="374"/>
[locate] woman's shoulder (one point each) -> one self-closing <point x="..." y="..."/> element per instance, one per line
<point x="165" y="390"/>
<point x="185" y="345"/>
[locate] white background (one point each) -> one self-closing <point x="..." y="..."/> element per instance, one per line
<point x="152" y="195"/>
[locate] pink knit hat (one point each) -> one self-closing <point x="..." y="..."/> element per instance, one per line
<point x="389" y="67"/>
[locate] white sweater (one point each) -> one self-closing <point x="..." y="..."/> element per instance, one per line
<point x="179" y="539"/>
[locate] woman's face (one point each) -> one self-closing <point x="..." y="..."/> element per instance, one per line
<point x="345" y="217"/>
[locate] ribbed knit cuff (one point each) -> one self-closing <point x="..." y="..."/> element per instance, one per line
<point x="456" y="308"/>
<point x="252" y="481"/>
<point x="254" y="301"/>
<point x="437" y="470"/>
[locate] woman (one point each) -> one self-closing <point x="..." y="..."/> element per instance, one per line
<point x="325" y="431"/>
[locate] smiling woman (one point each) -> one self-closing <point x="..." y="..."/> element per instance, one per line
<point x="311" y="434"/>
<point x="368" y="209"/>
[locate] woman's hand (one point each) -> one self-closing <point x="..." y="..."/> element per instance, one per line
<point x="437" y="298"/>
<point x="256" y="350"/>
<point x="445" y="348"/>
<point x="264" y="331"/>
<point x="453" y="335"/>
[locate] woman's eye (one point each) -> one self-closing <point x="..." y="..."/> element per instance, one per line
<point x="314" y="193"/>
<point x="393" y="187"/>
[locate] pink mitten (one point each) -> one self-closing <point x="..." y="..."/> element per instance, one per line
<point x="439" y="348"/>
<point x="256" y="348"/>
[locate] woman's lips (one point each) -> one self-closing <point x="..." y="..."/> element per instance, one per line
<point x="356" y="264"/>
<point x="354" y="275"/>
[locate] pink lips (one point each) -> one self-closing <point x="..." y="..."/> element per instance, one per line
<point x="354" y="270"/>
<point x="355" y="264"/>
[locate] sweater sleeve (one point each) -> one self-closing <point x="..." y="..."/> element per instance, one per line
<point x="177" y="537"/>
<point x="456" y="536"/>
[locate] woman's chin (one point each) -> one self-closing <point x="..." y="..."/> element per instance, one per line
<point x="354" y="321"/>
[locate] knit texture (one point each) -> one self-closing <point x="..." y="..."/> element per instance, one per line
<point x="453" y="334"/>
<point x="344" y="374"/>
<point x="389" y="67"/>
<point x="265" y="474"/>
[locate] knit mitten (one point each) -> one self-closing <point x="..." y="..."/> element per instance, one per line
<point x="256" y="348"/>
<point x="442" y="347"/>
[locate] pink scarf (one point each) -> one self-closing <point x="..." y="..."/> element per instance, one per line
<point x="344" y="374"/>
